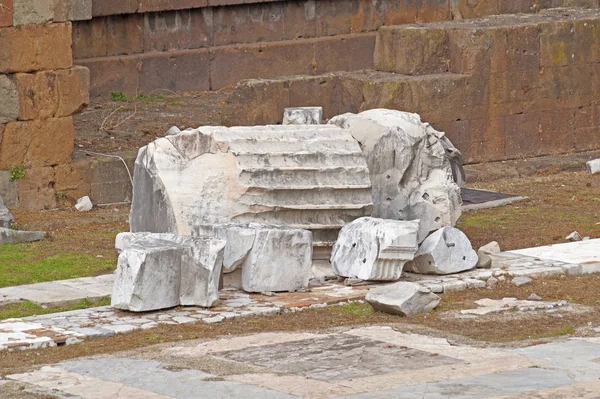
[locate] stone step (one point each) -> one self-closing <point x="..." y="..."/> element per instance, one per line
<point x="318" y="195"/>
<point x="334" y="144"/>
<point x="306" y="159"/>
<point x="304" y="178"/>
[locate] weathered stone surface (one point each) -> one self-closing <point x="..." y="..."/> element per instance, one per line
<point x="410" y="171"/>
<point x="72" y="10"/>
<point x="273" y="258"/>
<point x="446" y="251"/>
<point x="574" y="236"/>
<point x="593" y="166"/>
<point x="84" y="204"/>
<point x="375" y="249"/>
<point x="26" y="12"/>
<point x="309" y="177"/>
<point x="403" y="298"/>
<point x="484" y="260"/>
<point x="303" y="116"/>
<point x="157" y="271"/>
<point x="148" y="278"/>
<point x="8" y="236"/>
<point x="35" y="47"/>
<point x="37" y="143"/>
<point x="6" y="13"/>
<point x="9" y="100"/>
<point x="5" y="216"/>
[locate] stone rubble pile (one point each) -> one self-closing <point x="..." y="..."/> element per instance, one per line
<point x="379" y="186"/>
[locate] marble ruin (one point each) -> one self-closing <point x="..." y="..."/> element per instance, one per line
<point x="371" y="192"/>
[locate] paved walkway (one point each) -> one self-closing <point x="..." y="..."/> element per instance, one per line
<point x="71" y="327"/>
<point x="373" y="362"/>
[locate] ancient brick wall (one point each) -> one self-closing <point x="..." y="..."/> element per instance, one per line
<point x="40" y="90"/>
<point x="144" y="45"/>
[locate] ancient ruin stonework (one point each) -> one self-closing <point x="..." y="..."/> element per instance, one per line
<point x="375" y="249"/>
<point x="272" y="258"/>
<point x="310" y="177"/>
<point x="158" y="271"/>
<point x="410" y="171"/>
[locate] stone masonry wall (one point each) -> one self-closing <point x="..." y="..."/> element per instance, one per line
<point x="40" y="90"/>
<point x="145" y="45"/>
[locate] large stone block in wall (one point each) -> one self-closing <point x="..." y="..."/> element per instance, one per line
<point x="37" y="143"/>
<point x="313" y="177"/>
<point x="6" y="13"/>
<point x="9" y="99"/>
<point x="410" y="168"/>
<point x="30" y="48"/>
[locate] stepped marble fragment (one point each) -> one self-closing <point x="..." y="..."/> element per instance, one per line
<point x="312" y="177"/>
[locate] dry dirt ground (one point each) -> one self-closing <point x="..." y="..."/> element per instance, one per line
<point x="122" y="124"/>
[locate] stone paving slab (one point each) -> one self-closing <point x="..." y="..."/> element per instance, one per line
<point x="71" y="327"/>
<point x="53" y="293"/>
<point x="581" y="252"/>
<point x="534" y="372"/>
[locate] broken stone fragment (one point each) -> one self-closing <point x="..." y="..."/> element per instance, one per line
<point x="593" y="166"/>
<point x="403" y="298"/>
<point x="146" y="258"/>
<point x="84" y="204"/>
<point x="313" y="177"/>
<point x="303" y="116"/>
<point x="272" y="258"/>
<point x="410" y="167"/>
<point x="375" y="249"/>
<point x="484" y="260"/>
<point x="446" y="251"/>
<point x="574" y="236"/>
<point x="8" y="236"/>
<point x="6" y="218"/>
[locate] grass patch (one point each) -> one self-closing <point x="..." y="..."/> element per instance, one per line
<point x="356" y="309"/>
<point x="27" y="308"/>
<point x="20" y="264"/>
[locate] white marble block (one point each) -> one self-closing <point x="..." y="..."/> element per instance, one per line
<point x="272" y="258"/>
<point x="198" y="264"/>
<point x="447" y="251"/>
<point x="303" y="116"/>
<point x="375" y="249"/>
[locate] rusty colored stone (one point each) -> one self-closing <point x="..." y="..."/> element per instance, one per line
<point x="35" y="47"/>
<point x="118" y="74"/>
<point x="36" y="189"/>
<point x="89" y="38"/>
<point x="412" y="50"/>
<point x="248" y="23"/>
<point x="73" y="180"/>
<point x="6" y="13"/>
<point x="73" y="90"/>
<point x="177" y="30"/>
<point x="300" y="19"/>
<point x="38" y="95"/>
<point x="174" y="71"/>
<point x="37" y="143"/>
